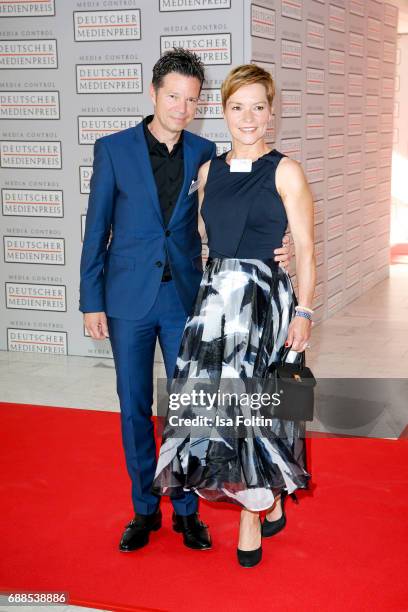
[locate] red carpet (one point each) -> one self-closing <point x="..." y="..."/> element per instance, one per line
<point x="65" y="499"/>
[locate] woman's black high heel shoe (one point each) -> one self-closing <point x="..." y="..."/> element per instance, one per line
<point x="271" y="528"/>
<point x="249" y="558"/>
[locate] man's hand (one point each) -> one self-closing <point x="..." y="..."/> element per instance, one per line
<point x="96" y="325"/>
<point x="283" y="254"/>
<point x="204" y="254"/>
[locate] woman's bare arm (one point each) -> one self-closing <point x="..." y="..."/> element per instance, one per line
<point x="298" y="201"/>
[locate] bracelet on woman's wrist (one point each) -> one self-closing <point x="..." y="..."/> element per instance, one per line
<point x="304" y="314"/>
<point x="305" y="308"/>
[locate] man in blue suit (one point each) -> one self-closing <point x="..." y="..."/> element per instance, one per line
<point x="141" y="269"/>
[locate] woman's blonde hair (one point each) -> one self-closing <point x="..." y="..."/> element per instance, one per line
<point x="247" y="74"/>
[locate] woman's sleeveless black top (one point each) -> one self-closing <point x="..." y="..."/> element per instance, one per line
<point x="243" y="212"/>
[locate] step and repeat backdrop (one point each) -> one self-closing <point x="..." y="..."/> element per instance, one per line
<point x="75" y="70"/>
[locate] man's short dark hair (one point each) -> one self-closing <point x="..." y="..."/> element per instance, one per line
<point x="178" y="60"/>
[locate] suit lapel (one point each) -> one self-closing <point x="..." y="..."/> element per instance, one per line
<point x="190" y="172"/>
<point x="147" y="177"/>
<point x="146" y="172"/>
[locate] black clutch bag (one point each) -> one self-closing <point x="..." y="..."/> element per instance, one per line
<point x="294" y="384"/>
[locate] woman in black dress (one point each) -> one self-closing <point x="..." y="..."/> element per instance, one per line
<point x="246" y="313"/>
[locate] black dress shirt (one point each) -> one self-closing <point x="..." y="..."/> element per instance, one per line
<point x="168" y="171"/>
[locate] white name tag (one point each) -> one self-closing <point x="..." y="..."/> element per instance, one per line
<point x="194" y="186"/>
<point x="241" y="165"/>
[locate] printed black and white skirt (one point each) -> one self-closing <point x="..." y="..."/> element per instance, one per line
<point x="238" y="328"/>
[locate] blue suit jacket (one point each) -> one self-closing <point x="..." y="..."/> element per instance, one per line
<point x="123" y="279"/>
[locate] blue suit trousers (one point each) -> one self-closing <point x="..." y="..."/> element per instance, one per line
<point x="133" y="345"/>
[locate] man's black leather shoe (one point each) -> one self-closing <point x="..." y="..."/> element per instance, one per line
<point x="136" y="534"/>
<point x="195" y="533"/>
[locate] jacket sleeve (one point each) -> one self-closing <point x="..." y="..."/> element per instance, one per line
<point x="97" y="230"/>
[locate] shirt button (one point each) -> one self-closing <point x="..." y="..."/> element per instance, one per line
<point x="159" y="264"/>
<point x="168" y="232"/>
